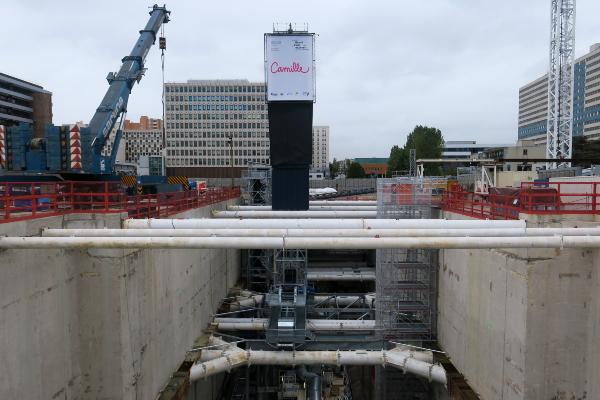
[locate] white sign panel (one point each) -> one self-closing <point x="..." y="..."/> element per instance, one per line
<point x="290" y="69"/>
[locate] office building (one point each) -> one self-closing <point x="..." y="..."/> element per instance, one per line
<point x="533" y="101"/>
<point x="374" y="167"/>
<point x="142" y="138"/>
<point x="210" y="123"/>
<point x="320" y="149"/>
<point x="22" y="101"/>
<point x="468" y="149"/>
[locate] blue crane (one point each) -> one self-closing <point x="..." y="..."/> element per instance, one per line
<point x="114" y="103"/>
<point x="77" y="152"/>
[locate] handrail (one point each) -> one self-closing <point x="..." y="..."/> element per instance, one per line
<point x="29" y="200"/>
<point x="549" y="198"/>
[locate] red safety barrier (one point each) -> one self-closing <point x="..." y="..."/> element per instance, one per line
<point x="28" y="200"/>
<point x="531" y="198"/>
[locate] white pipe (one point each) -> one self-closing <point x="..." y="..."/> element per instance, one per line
<point x="345" y="275"/>
<point x="245" y="302"/>
<point x="343" y="300"/>
<point x="343" y="202"/>
<point x="261" y="324"/>
<point x="324" y="243"/>
<point x="242" y="232"/>
<point x="294" y="214"/>
<point x="404" y="360"/>
<point x="208" y="223"/>
<point x="310" y="208"/>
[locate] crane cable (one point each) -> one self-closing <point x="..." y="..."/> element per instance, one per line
<point x="163" y="46"/>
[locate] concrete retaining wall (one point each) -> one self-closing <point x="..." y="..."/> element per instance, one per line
<point x="109" y="324"/>
<point x="523" y="324"/>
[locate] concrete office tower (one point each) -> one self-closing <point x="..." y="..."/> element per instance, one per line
<point x="533" y="101"/>
<point x="202" y="116"/>
<point x="22" y="101"/>
<point x="320" y="149"/>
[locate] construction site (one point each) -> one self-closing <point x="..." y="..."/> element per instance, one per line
<point x="120" y="286"/>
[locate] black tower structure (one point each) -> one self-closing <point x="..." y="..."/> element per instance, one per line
<point x="289" y="72"/>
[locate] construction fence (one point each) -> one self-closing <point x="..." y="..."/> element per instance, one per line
<point x="29" y="200"/>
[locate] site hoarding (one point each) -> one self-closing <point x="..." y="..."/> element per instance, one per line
<point x="290" y="67"/>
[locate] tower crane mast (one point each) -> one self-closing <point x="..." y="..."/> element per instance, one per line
<point x="559" y="129"/>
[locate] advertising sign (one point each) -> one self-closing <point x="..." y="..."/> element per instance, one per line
<point x="289" y="67"/>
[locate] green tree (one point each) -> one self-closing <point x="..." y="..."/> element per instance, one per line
<point x="585" y="149"/>
<point x="355" y="170"/>
<point x="334" y="168"/>
<point x="398" y="160"/>
<point x="427" y="141"/>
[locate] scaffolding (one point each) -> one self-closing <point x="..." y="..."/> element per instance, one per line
<point x="287" y="299"/>
<point x="256" y="187"/>
<point x="406" y="284"/>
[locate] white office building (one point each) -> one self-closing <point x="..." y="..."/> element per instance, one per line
<point x="203" y="116"/>
<point x="320" y="149"/>
<point x="533" y="101"/>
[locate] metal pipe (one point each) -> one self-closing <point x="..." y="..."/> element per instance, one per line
<point x="303" y="223"/>
<point x="242" y="302"/>
<point x="344" y="275"/>
<point x="313" y="381"/>
<point x="242" y="232"/>
<point x="343" y="202"/>
<point x="294" y="214"/>
<point x="261" y="324"/>
<point x="310" y="208"/>
<point x="396" y="358"/>
<point x="327" y="243"/>
<point x="343" y="300"/>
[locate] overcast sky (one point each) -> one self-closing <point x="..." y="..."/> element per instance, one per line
<point x="382" y="66"/>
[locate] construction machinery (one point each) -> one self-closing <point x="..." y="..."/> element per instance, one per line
<point x="79" y="153"/>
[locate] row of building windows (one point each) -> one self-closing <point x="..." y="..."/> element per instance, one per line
<point x="215" y="107"/>
<point x="214" y="89"/>
<point x="198" y="116"/>
<point x="216" y="162"/>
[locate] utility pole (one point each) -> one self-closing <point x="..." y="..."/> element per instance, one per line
<point x="559" y="129"/>
<point x="231" y="169"/>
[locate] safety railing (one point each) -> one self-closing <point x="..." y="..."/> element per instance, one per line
<point x="531" y="198"/>
<point x="29" y="200"/>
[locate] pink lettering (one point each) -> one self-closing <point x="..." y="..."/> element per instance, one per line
<point x="295" y="67"/>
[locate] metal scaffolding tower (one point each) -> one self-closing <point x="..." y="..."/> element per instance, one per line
<point x="406" y="278"/>
<point x="559" y="130"/>
<point x="256" y="189"/>
<point x="406" y="283"/>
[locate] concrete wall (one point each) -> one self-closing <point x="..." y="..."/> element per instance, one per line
<point x="523" y="324"/>
<point x="109" y="324"/>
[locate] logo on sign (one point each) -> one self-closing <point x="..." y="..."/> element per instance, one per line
<point x="295" y="67"/>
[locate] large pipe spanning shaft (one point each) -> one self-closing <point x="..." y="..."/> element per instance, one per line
<point x="321" y="243"/>
<point x="340" y="275"/>
<point x="311" y="208"/>
<point x="303" y="223"/>
<point x="235" y="357"/>
<point x="242" y="232"/>
<point x="295" y="214"/>
<point x="343" y="202"/>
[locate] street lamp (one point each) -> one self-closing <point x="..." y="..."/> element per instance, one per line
<point x="230" y="143"/>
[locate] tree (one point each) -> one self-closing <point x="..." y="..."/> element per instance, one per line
<point x="334" y="168"/>
<point x="355" y="170"/>
<point x="585" y="149"/>
<point x="398" y="160"/>
<point x="427" y="141"/>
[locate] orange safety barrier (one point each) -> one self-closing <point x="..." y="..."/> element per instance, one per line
<point x="531" y="198"/>
<point x="28" y="200"/>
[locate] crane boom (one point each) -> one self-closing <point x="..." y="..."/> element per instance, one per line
<point x="114" y="103"/>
